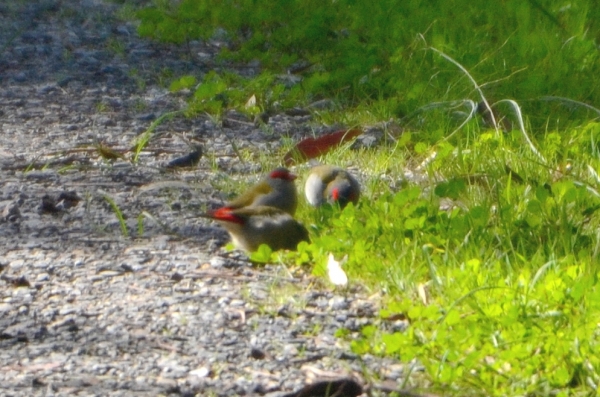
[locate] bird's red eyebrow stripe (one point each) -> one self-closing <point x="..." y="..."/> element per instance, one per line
<point x="283" y="175"/>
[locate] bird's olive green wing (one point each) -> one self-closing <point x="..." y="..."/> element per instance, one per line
<point x="261" y="210"/>
<point x="249" y="196"/>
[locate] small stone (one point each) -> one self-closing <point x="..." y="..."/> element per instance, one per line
<point x="166" y="382"/>
<point x="67" y="309"/>
<point x="338" y="303"/>
<point x="64" y="81"/>
<point x="11" y="212"/>
<point x="106" y="121"/>
<point x="290" y="350"/>
<point x="146" y="117"/>
<point x="341" y="317"/>
<point x="42" y="277"/>
<point x="122" y="29"/>
<point x="20" y="77"/>
<point x="48" y="88"/>
<point x="237" y="303"/>
<point x="217" y="262"/>
<point x="201" y="372"/>
<point x="126" y="268"/>
<point x="16" y="264"/>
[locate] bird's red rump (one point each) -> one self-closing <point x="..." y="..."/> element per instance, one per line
<point x="282" y="174"/>
<point x="226" y="214"/>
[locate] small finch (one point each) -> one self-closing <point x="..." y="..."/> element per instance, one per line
<point x="277" y="190"/>
<point x="249" y="227"/>
<point x="331" y="184"/>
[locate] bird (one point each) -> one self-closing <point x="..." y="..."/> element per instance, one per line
<point x="249" y="227"/>
<point x="344" y="387"/>
<point x="276" y="190"/>
<point x="331" y="184"/>
<point x="189" y="160"/>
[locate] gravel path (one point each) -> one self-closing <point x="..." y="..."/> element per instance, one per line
<point x="87" y="311"/>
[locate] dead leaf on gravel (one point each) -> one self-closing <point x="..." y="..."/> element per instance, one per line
<point x="310" y="148"/>
<point x="107" y="153"/>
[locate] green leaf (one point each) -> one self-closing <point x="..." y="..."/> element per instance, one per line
<point x="452" y="189"/>
<point x="421" y="148"/>
<point x="414" y="223"/>
<point x="394" y="343"/>
<point x="452" y="318"/>
<point x="209" y="89"/>
<point x="262" y="254"/>
<point x="182" y="83"/>
<point x="478" y="216"/>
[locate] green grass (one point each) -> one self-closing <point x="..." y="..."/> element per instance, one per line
<point x="501" y="232"/>
<point x="486" y="241"/>
<point x="358" y="51"/>
<point x="118" y="214"/>
<point x="503" y="243"/>
<point x="143" y="139"/>
<point x="509" y="269"/>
